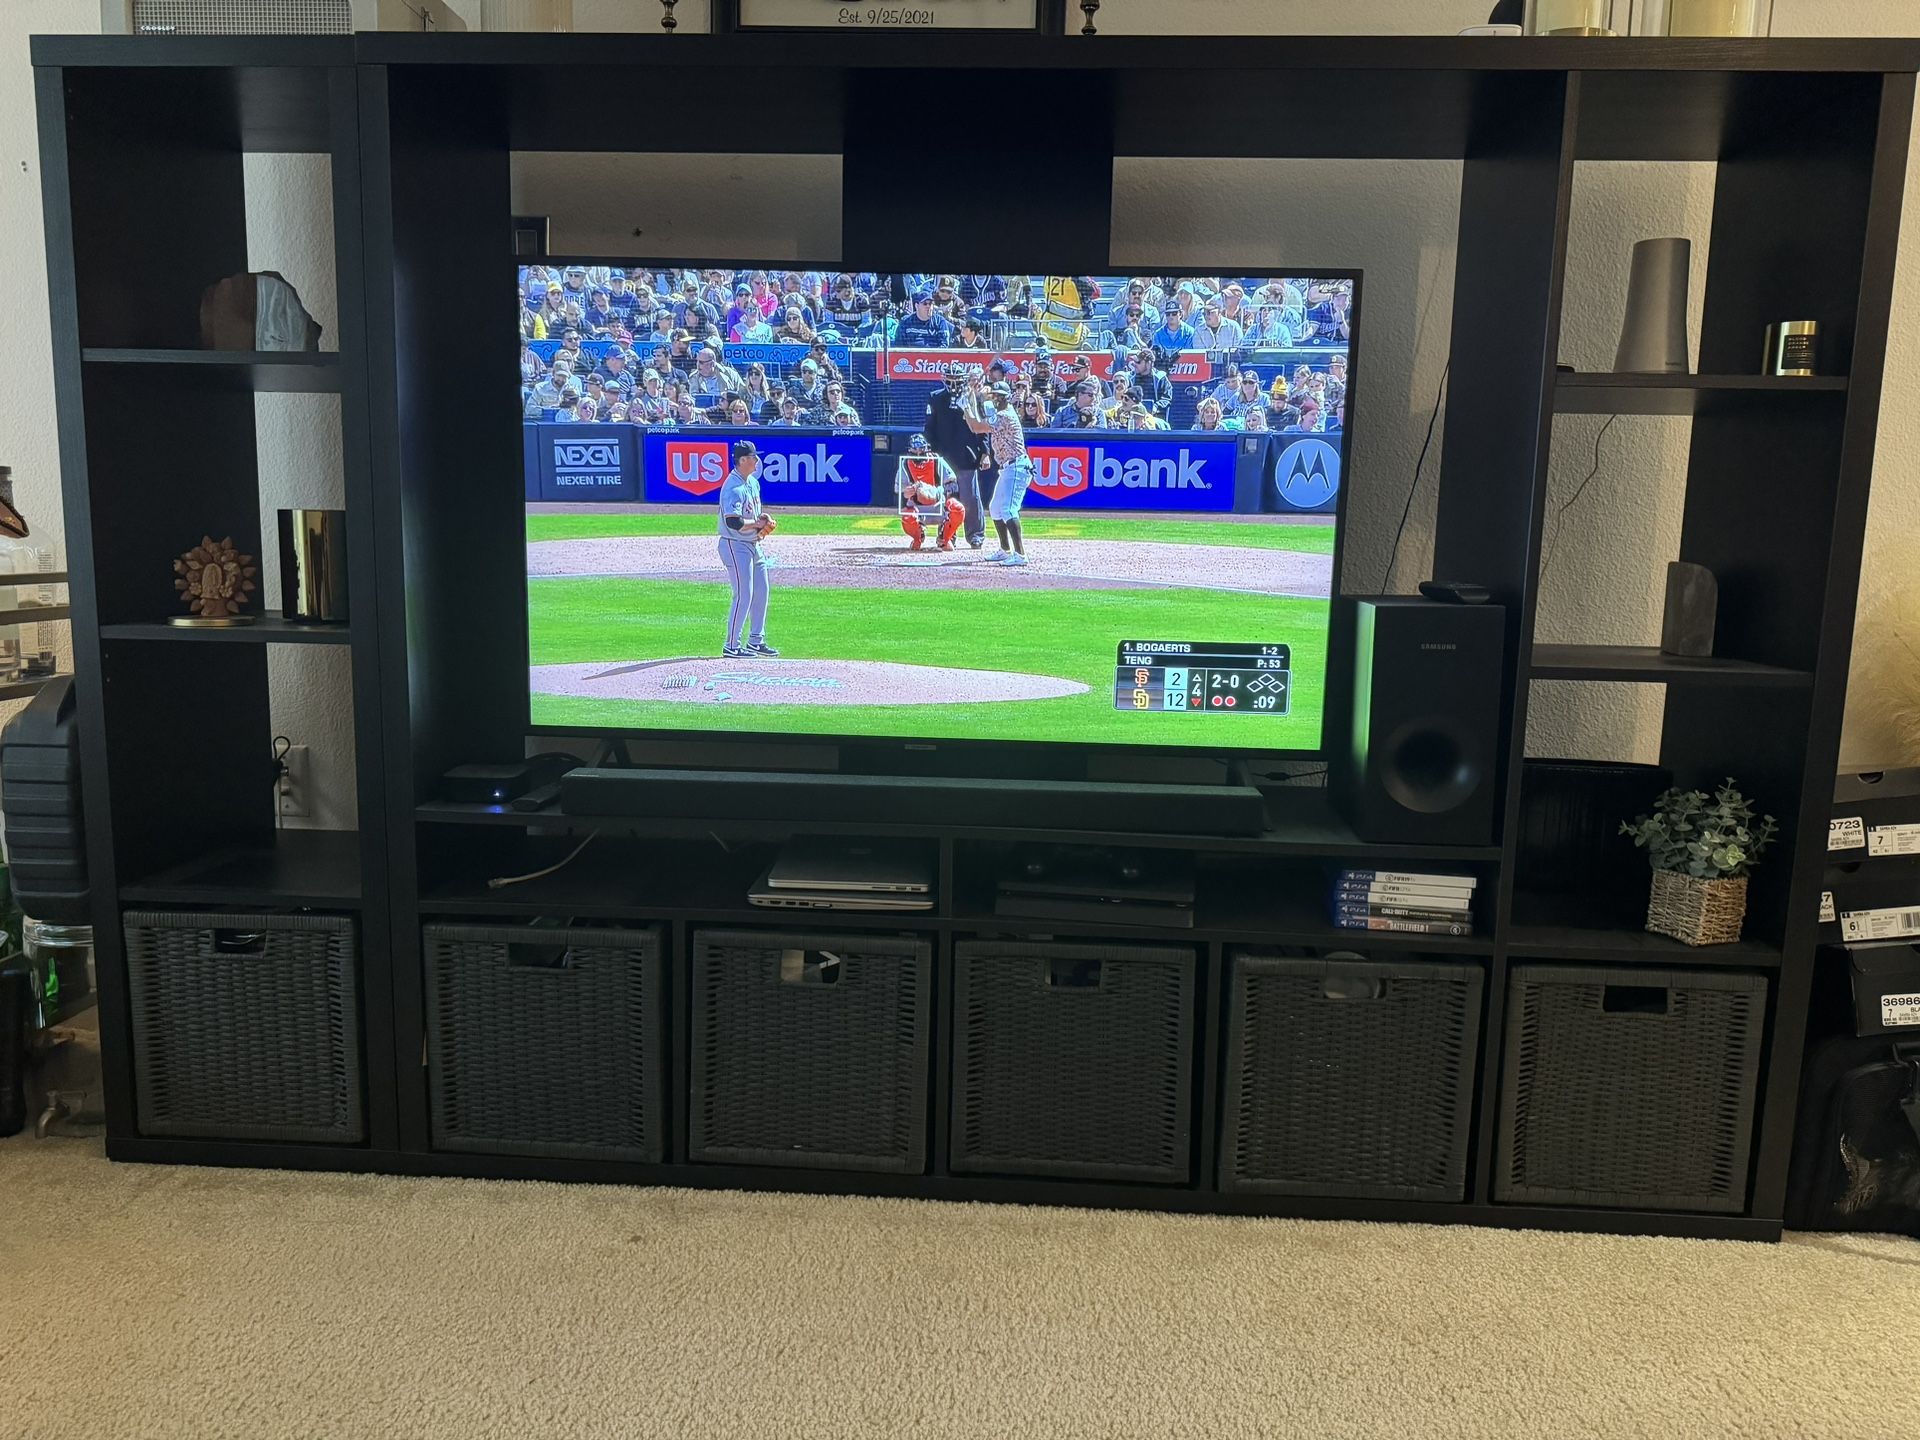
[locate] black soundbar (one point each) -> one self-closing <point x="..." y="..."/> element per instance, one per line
<point x="891" y="799"/>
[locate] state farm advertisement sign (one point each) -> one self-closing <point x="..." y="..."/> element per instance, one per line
<point x="930" y="367"/>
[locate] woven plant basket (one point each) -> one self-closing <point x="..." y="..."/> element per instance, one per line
<point x="1695" y="911"/>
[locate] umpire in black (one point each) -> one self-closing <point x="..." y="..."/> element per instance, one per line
<point x="947" y="432"/>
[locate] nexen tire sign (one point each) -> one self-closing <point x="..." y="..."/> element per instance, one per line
<point x="687" y="468"/>
<point x="1121" y="473"/>
<point x="587" y="462"/>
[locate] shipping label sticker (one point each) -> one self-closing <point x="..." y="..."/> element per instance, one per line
<point x="1827" y="915"/>
<point x="1849" y="833"/>
<point x="1900" y="1010"/>
<point x="1892" y="924"/>
<point x="1893" y="840"/>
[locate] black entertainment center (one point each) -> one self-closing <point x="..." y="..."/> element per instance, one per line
<point x="628" y="1017"/>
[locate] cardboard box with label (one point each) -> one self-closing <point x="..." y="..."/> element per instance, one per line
<point x="1872" y="887"/>
<point x="1886" y="987"/>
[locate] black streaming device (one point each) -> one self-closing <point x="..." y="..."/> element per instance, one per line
<point x="1455" y="592"/>
<point x="505" y="782"/>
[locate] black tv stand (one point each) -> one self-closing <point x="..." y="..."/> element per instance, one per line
<point x="149" y="138"/>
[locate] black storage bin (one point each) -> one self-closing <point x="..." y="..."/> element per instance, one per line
<point x="810" y="1049"/>
<point x="1630" y="1088"/>
<point x="1572" y="859"/>
<point x="246" y="1027"/>
<point x="1349" y="1077"/>
<point x="546" y="1040"/>
<point x="1073" y="1060"/>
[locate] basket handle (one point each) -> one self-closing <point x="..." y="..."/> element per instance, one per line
<point x="1353" y="987"/>
<point x="809" y="967"/>
<point x="531" y="955"/>
<point x="240" y="944"/>
<point x="1061" y="972"/>
<point x="1654" y="1000"/>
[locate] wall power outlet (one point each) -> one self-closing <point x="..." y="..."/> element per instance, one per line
<point x="293" y="795"/>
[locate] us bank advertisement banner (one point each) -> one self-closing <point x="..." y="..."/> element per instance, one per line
<point x="1118" y="472"/>
<point x="687" y="467"/>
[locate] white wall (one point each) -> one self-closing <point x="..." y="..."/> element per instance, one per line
<point x="1395" y="220"/>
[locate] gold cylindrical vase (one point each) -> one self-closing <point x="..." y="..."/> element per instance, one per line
<point x="313" y="566"/>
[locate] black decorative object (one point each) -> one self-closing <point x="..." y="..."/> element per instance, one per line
<point x="667" y="20"/>
<point x="1693" y="602"/>
<point x="1508" y="12"/>
<point x="1089" y="8"/>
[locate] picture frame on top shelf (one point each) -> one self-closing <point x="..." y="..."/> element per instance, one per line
<point x="1042" y="17"/>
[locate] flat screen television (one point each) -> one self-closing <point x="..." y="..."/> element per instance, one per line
<point x="777" y="502"/>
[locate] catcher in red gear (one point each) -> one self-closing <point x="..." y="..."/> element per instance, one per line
<point x="928" y="489"/>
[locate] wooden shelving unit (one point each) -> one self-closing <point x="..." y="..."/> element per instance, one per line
<point x="1608" y="394"/>
<point x="259" y="370"/>
<point x="1645" y="664"/>
<point x="143" y="138"/>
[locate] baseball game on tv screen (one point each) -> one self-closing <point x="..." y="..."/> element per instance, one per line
<point x="1097" y="509"/>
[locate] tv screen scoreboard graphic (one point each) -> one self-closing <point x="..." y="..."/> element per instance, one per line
<point x="1203" y="679"/>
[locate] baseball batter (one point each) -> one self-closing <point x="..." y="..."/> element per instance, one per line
<point x="743" y="526"/>
<point x="925" y="480"/>
<point x="992" y="414"/>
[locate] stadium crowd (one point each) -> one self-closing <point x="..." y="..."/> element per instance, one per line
<point x="678" y="348"/>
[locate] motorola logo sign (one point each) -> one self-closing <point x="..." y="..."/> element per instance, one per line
<point x="1307" y="474"/>
<point x="586" y="465"/>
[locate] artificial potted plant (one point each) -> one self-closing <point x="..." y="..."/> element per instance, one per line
<point x="1702" y="850"/>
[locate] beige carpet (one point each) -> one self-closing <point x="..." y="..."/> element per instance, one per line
<point x="260" y="1304"/>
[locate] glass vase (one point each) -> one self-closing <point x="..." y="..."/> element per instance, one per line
<point x="1705" y="19"/>
<point x="1570" y="17"/>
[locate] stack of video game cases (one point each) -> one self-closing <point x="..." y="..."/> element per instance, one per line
<point x="1414" y="902"/>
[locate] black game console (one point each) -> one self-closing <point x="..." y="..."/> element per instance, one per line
<point x="1107" y="886"/>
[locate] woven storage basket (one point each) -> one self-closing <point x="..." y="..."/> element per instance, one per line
<point x="245" y="1027"/>
<point x="546" y="1041"/>
<point x="1630" y="1088"/>
<point x="1349" y="1077"/>
<point x="1073" y="1060"/>
<point x="810" y="1050"/>
<point x="1695" y="911"/>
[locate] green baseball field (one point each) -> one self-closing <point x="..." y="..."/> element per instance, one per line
<point x="628" y="613"/>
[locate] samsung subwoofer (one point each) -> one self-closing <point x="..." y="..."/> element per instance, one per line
<point x="1420" y="764"/>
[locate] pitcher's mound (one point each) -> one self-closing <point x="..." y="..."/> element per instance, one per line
<point x="707" y="680"/>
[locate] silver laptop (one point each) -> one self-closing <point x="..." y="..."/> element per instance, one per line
<point x="770" y="897"/>
<point x="851" y="867"/>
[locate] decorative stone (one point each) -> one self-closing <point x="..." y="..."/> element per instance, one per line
<point x="1693" y="603"/>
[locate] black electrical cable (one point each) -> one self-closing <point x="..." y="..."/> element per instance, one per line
<point x="1393" y="554"/>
